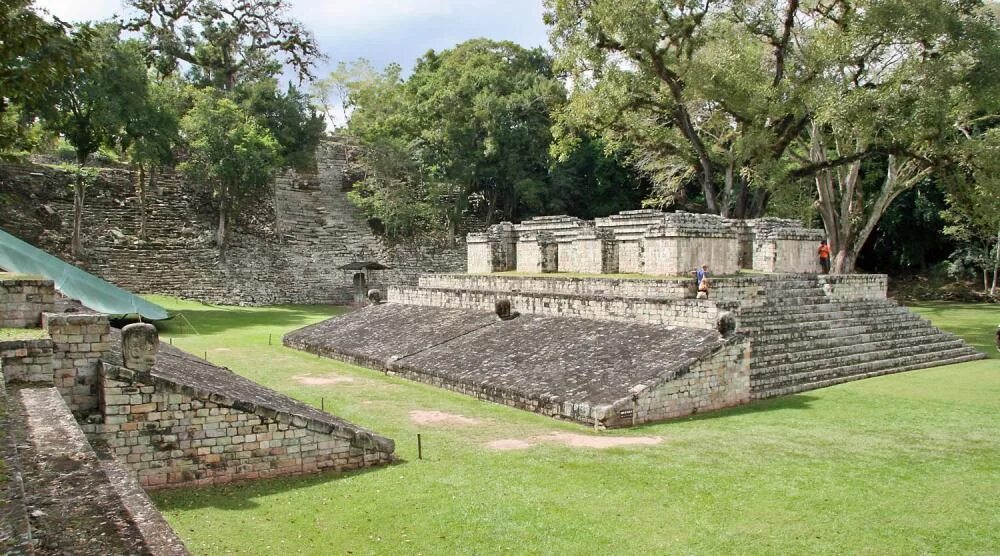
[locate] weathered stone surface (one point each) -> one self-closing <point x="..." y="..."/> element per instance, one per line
<point x="75" y="508"/>
<point x="570" y="368"/>
<point x="140" y="342"/>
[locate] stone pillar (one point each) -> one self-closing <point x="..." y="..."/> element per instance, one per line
<point x="140" y="342"/>
<point x="596" y="252"/>
<point x="550" y="255"/>
<point x="494" y="250"/>
<point x="537" y="252"/>
<point x="686" y="241"/>
<point x="80" y="341"/>
<point x="785" y="246"/>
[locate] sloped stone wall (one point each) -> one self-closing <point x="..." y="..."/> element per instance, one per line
<point x="718" y="381"/>
<point x="172" y="435"/>
<point x="694" y="313"/>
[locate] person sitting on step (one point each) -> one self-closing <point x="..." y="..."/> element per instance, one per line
<point x="703" y="287"/>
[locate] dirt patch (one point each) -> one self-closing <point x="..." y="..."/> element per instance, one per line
<point x="440" y="418"/>
<point x="575" y="441"/>
<point x="587" y="441"/>
<point x="509" y="444"/>
<point x="310" y="380"/>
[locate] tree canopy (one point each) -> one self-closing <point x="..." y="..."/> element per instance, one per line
<point x="468" y="133"/>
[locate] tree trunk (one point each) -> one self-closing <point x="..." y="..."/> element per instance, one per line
<point x="79" y="196"/>
<point x="848" y="217"/>
<point x="996" y="265"/>
<point x="727" y="192"/>
<point x="220" y="236"/>
<point x="140" y="190"/>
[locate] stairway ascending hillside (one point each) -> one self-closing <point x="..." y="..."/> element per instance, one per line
<point x="801" y="340"/>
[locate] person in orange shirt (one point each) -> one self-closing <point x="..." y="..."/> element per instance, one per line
<point x="824" y="256"/>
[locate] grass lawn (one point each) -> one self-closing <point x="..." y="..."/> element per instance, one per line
<point x="902" y="464"/>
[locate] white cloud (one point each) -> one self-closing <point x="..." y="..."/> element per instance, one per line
<point x="370" y="15"/>
<point x="86" y="10"/>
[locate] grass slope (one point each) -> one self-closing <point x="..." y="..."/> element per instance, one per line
<point x="902" y="464"/>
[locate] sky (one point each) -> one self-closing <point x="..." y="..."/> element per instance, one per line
<point x="383" y="31"/>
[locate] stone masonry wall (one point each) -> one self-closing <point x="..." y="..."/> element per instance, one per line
<point x="694" y="313"/>
<point x="170" y="435"/>
<point x="26" y="361"/>
<point x="80" y="340"/>
<point x="596" y="286"/>
<point x="22" y="301"/>
<point x="840" y="287"/>
<point x="721" y="380"/>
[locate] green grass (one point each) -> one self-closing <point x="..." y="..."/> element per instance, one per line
<point x="7" y="334"/>
<point x="901" y="464"/>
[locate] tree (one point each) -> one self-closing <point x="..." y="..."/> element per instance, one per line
<point x="694" y="89"/>
<point x="882" y="124"/>
<point x="475" y="121"/>
<point x="974" y="205"/>
<point x="92" y="105"/>
<point x="151" y="136"/>
<point x="35" y="55"/>
<point x="289" y="117"/>
<point x="225" y="42"/>
<point x="336" y="88"/>
<point x="863" y="98"/>
<point x="230" y="149"/>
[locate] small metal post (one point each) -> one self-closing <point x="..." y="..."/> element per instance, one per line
<point x="268" y="339"/>
<point x="322" y="404"/>
<point x="206" y="356"/>
<point x="420" y="448"/>
<point x="171" y="340"/>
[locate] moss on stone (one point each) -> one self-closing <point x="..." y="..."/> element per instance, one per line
<point x="7" y="334"/>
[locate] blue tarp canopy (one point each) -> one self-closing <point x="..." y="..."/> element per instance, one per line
<point x="97" y="294"/>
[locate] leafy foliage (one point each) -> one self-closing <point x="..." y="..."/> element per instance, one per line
<point x="225" y="42"/>
<point x="469" y="134"/>
<point x="230" y="149"/>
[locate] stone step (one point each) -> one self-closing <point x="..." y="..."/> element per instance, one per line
<point x="868" y="350"/>
<point x="764" y="312"/>
<point x="821" y="314"/>
<point x="841" y="327"/>
<point x="895" y="366"/>
<point x="768" y="348"/>
<point x="845" y="363"/>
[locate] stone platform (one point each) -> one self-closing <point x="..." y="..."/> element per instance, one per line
<point x="615" y="352"/>
<point x="601" y="373"/>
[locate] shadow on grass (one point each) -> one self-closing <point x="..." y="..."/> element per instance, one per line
<point x="217" y="319"/>
<point x="240" y="496"/>
<point x="795" y="401"/>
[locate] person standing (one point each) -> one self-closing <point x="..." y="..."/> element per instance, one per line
<point x="824" y="256"/>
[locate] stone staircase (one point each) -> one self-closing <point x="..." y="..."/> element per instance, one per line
<point x="803" y="340"/>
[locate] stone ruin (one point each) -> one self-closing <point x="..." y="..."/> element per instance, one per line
<point x="613" y="352"/>
<point x="645" y="242"/>
<point x="121" y="412"/>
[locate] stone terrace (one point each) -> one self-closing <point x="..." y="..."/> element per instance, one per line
<point x="581" y="346"/>
<point x="594" y="372"/>
<point x="188" y="422"/>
